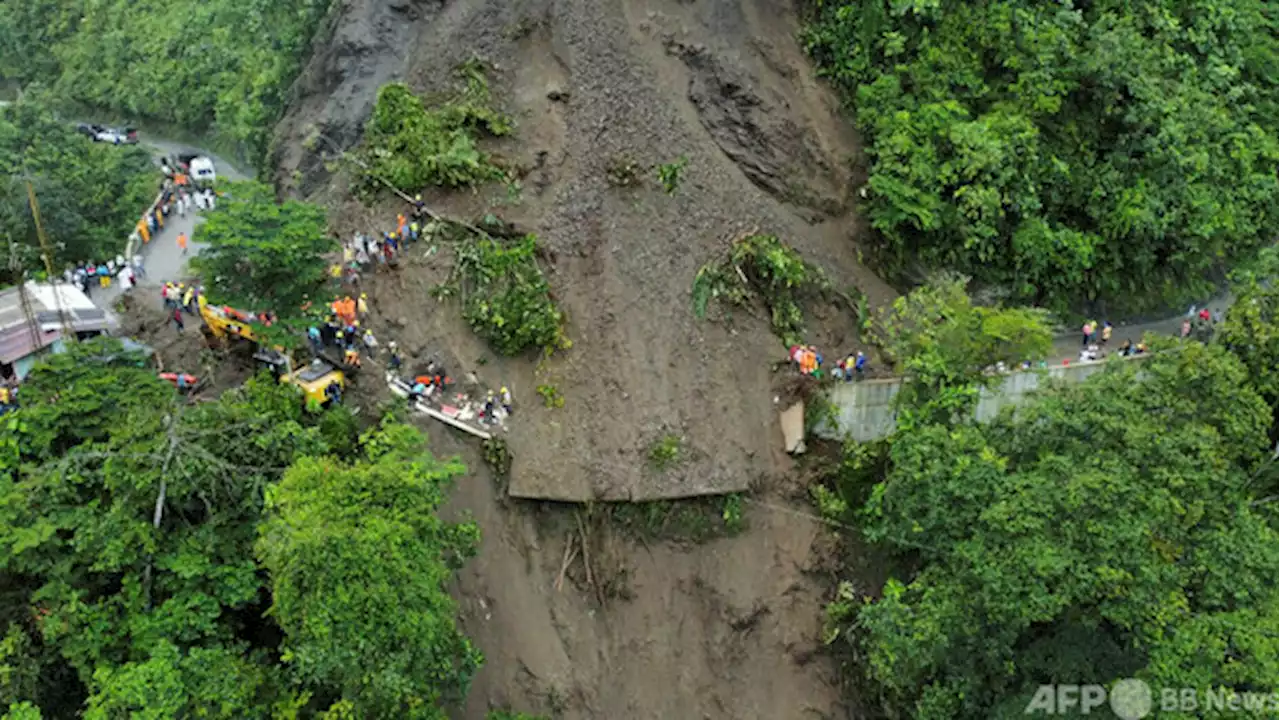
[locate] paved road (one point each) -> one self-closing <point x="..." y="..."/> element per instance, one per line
<point x="162" y="257"/>
<point x="1067" y="347"/>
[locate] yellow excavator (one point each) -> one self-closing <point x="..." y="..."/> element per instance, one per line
<point x="314" y="379"/>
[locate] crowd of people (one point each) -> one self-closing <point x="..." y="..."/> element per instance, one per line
<point x="90" y="274"/>
<point x="378" y="250"/>
<point x="808" y="361"/>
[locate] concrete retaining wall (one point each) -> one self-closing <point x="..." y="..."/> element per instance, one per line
<point x="864" y="410"/>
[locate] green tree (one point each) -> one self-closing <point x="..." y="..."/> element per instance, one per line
<point x="1067" y="153"/>
<point x="943" y="345"/>
<point x="359" y="563"/>
<point x="1251" y="328"/>
<point x="127" y="521"/>
<point x="90" y="195"/>
<point x="263" y="255"/>
<point x="412" y="146"/>
<point x="217" y="66"/>
<point x="1101" y="531"/>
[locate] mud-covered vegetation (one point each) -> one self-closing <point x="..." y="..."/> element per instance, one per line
<point x="1065" y="153"/>
<point x="504" y="294"/>
<point x="221" y="67"/>
<point x="90" y="195"/>
<point x="762" y="268"/>
<point x="226" y="562"/>
<point x="413" y="146"/>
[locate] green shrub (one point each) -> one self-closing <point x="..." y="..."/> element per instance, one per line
<point x="763" y="267"/>
<point x="413" y="146"/>
<point x="665" y="451"/>
<point x="731" y="514"/>
<point x="669" y="174"/>
<point x="551" y="396"/>
<point x="506" y="298"/>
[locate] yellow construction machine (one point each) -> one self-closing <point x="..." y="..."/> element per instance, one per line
<point x="314" y="379"/>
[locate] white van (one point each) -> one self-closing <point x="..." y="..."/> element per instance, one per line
<point x="201" y="170"/>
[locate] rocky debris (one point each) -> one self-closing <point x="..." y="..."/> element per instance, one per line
<point x="751" y="125"/>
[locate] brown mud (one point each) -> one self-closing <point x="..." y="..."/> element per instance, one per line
<point x="730" y="628"/>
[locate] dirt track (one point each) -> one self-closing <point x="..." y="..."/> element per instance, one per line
<point x="729" y="629"/>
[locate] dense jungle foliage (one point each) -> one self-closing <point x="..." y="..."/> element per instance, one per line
<point x="221" y="67"/>
<point x="90" y="195"/>
<point x="1068" y="153"/>
<point x="1122" y="527"/>
<point x="238" y="558"/>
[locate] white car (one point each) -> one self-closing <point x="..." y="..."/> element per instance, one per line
<point x="117" y="136"/>
<point x="202" y="172"/>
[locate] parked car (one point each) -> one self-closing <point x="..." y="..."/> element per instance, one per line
<point x="89" y="130"/>
<point x="117" y="136"/>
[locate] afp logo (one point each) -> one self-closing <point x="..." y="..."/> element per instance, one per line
<point x="1129" y="699"/>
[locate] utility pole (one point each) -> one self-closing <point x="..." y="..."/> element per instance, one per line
<point x="63" y="317"/>
<point x="19" y="276"/>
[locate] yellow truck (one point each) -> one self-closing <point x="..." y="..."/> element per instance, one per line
<point x="313" y="379"/>
<point x="228" y="324"/>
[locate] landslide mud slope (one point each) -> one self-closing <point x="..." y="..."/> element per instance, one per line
<point x="721" y="82"/>
<point x="727" y="629"/>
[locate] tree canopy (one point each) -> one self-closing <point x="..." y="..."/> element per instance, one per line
<point x="90" y="195"/>
<point x="128" y="526"/>
<point x="221" y="66"/>
<point x="1110" y="529"/>
<point x="944" y="345"/>
<point x="262" y="254"/>
<point x="1064" y="152"/>
<point x="359" y="560"/>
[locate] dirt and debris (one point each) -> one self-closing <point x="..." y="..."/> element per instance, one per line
<point x="144" y="318"/>
<point x="725" y="629"/>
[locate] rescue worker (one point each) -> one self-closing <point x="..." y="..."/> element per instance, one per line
<point x="177" y="320"/>
<point x="486" y="415"/>
<point x="333" y="391"/>
<point x="848" y="365"/>
<point x="370" y="342"/>
<point x="182" y="242"/>
<point x="506" y="399"/>
<point x="313" y="337"/>
<point x="351" y="357"/>
<point x="362" y="305"/>
<point x="188" y="299"/>
<point x="413" y="231"/>
<point x="419" y="207"/>
<point x="395" y="362"/>
<point x="860" y="364"/>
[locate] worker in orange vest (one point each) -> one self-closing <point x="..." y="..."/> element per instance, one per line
<point x="182" y="242"/>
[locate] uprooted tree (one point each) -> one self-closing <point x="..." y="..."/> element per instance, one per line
<point x="762" y="268"/>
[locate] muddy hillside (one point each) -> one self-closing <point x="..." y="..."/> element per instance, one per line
<point x="730" y="628"/>
<point x="721" y="82"/>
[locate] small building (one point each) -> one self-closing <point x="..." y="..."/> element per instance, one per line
<point x="28" y="332"/>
